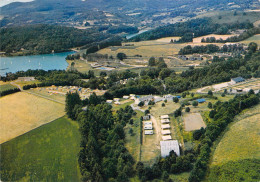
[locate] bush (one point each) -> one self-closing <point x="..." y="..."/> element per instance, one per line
<point x="141" y="104"/>
<point x="210" y="105"/>
<point x="195" y="103"/>
<point x="187" y="109"/>
<point x="163" y="105"/>
<point x="175" y="99"/>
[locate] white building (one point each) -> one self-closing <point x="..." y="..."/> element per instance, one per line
<point x="125" y="97"/>
<point x="165" y="126"/>
<point x="117" y="103"/>
<point x="148" y="123"/>
<point x="109" y="101"/>
<point x="116" y="99"/>
<point x="165" y="117"/>
<point x="166" y="132"/>
<point x="148" y="127"/>
<point x="148" y="132"/>
<point x="166" y="137"/>
<point x="144" y="99"/>
<point x="168" y="146"/>
<point x="165" y="121"/>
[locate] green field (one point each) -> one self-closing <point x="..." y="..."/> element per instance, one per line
<point x="228" y="16"/>
<point x="48" y="153"/>
<point x="255" y="38"/>
<point x="5" y="87"/>
<point x="238" y="151"/>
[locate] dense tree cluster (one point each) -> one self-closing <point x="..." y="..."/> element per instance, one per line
<point x="40" y="39"/>
<point x="9" y="91"/>
<point x="190" y="29"/>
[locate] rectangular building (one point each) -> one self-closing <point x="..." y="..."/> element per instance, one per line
<point x="168" y="146"/>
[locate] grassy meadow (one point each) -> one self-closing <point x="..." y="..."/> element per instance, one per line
<point x="238" y="150"/>
<point x="48" y="153"/>
<point x="22" y="112"/>
<point x="255" y="38"/>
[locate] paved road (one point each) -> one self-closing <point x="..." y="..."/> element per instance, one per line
<point x="38" y="95"/>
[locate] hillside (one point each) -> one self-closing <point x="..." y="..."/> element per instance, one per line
<point x="39" y="39"/>
<point x="99" y="12"/>
<point x="238" y="151"/>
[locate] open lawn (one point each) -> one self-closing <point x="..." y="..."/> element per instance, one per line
<point x="255" y="38"/>
<point x="48" y="153"/>
<point x="238" y="150"/>
<point x="193" y="121"/>
<point x="133" y="143"/>
<point x="22" y="112"/>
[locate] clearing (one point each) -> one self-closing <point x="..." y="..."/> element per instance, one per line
<point x="48" y="153"/>
<point x="255" y="38"/>
<point x="22" y="112"/>
<point x="193" y="121"/>
<point x="238" y="151"/>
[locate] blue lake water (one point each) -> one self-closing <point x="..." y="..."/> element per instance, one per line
<point x="22" y="63"/>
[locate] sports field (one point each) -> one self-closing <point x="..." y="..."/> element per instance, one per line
<point x="22" y="112"/>
<point x="193" y="121"/>
<point x="48" y="153"/>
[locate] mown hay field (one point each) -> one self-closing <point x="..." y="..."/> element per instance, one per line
<point x="255" y="38"/>
<point x="22" y="112"/>
<point x="238" y="151"/>
<point x="47" y="153"/>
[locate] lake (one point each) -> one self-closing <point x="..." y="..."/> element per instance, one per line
<point x="44" y="61"/>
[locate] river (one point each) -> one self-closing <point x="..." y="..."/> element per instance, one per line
<point x="44" y="61"/>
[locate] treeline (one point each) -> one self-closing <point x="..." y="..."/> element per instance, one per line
<point x="103" y="155"/>
<point x="189" y="29"/>
<point x="41" y="39"/>
<point x="211" y="48"/>
<point x="247" y="34"/>
<point x="9" y="91"/>
<point x="223" y="114"/>
<point x="113" y="41"/>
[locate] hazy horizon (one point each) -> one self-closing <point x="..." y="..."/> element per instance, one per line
<point x="5" y="2"/>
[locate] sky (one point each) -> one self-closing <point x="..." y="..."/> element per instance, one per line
<point x="5" y="2"/>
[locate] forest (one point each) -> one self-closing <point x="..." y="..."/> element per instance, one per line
<point x="41" y="39"/>
<point x="190" y="29"/>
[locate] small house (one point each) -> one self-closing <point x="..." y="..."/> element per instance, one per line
<point x="116" y="99"/>
<point x="125" y="97"/>
<point x="165" y="121"/>
<point x="109" y="101"/>
<point x="117" y="103"/>
<point x="148" y="127"/>
<point x="166" y="132"/>
<point x="166" y="126"/>
<point x="201" y="100"/>
<point x="167" y="137"/>
<point x="237" y="80"/>
<point x="148" y="132"/>
<point x="165" y="117"/>
<point x="148" y="123"/>
<point x="132" y="95"/>
<point x="147" y="117"/>
<point x="168" y="146"/>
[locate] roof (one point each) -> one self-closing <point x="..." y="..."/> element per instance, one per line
<point x="201" y="100"/>
<point x="165" y="121"/>
<point x="148" y="123"/>
<point x="148" y="127"/>
<point x="238" y="79"/>
<point x="146" y="98"/>
<point x="166" y="137"/>
<point x="168" y="146"/>
<point x="166" y="132"/>
<point x="164" y="126"/>
<point x="148" y="132"/>
<point x="165" y="117"/>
